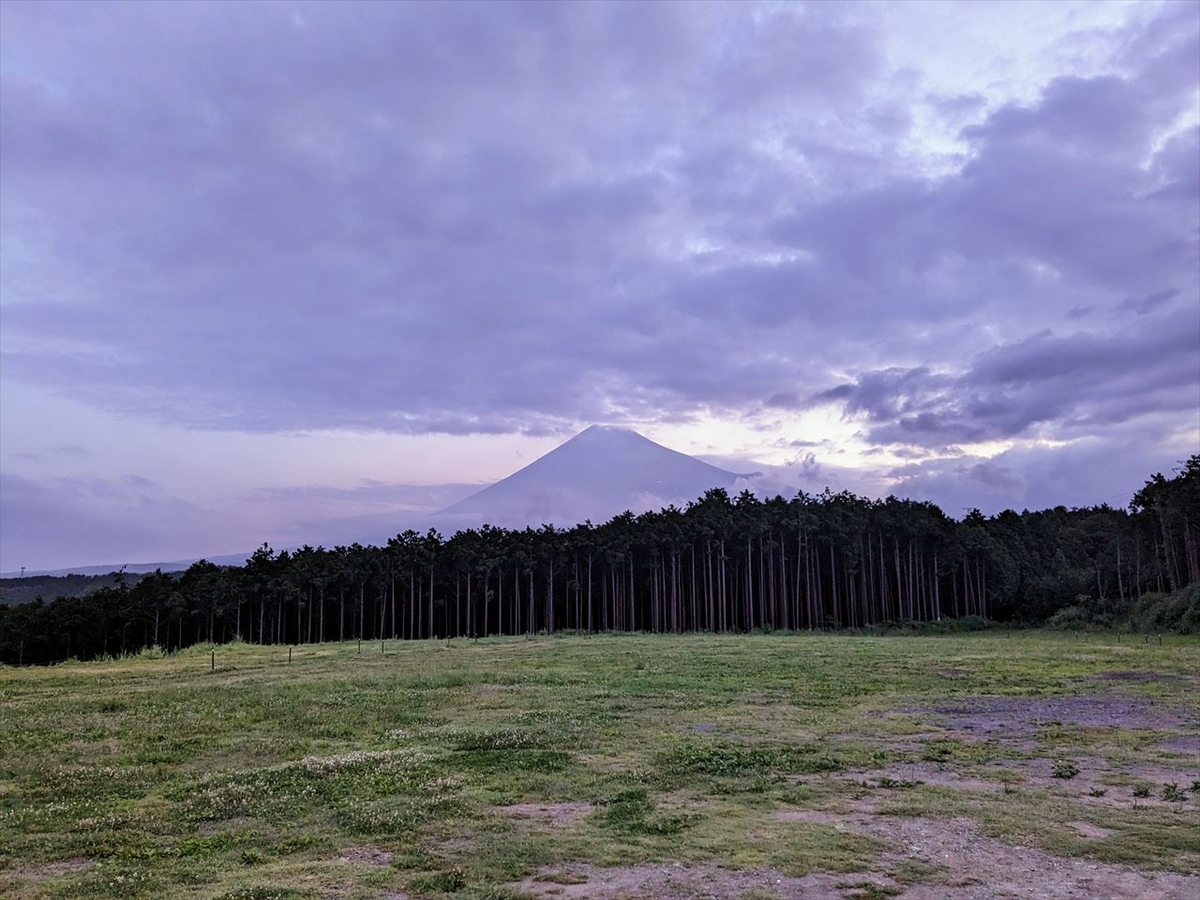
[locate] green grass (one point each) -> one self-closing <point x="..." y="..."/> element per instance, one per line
<point x="362" y="774"/>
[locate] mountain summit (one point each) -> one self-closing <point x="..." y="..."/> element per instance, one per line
<point x="599" y="473"/>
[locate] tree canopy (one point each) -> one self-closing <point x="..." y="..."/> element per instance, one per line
<point x="833" y="560"/>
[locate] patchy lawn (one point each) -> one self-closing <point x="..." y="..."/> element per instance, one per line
<point x="1030" y="765"/>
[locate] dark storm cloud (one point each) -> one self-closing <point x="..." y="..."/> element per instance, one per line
<point x="1079" y="382"/>
<point x="454" y="218"/>
<point x="513" y="217"/>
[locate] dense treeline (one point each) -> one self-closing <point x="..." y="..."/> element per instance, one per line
<point x="721" y="564"/>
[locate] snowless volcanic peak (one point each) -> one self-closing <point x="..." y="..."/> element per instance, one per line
<point x="599" y="473"/>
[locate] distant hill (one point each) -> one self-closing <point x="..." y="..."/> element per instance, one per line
<point x="596" y="475"/>
<point x="178" y="565"/>
<point x="51" y="587"/>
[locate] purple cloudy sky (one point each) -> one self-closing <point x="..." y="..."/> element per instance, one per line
<point x="299" y="271"/>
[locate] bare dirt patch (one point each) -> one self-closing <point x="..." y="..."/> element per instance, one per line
<point x="549" y="813"/>
<point x="930" y="773"/>
<point x="816" y="817"/>
<point x="1186" y="744"/>
<point x="67" y="867"/>
<point x="19" y="880"/>
<point x="674" y="881"/>
<point x="1100" y="782"/>
<point x="913" y="742"/>
<point x="54" y="869"/>
<point x="1021" y="717"/>
<point x="487" y="688"/>
<point x="980" y="867"/>
<point x="976" y="868"/>
<point x="1088" y="830"/>
<point x="371" y="855"/>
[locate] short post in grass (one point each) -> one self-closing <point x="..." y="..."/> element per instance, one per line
<point x="289" y="656"/>
<point x="212" y="660"/>
<point x="360" y="646"/>
<point x="381" y="650"/>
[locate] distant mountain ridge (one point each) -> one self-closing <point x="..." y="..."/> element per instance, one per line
<point x="177" y="565"/>
<point x="600" y="473"/>
<point x="23" y="589"/>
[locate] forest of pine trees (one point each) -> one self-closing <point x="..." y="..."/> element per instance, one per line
<point x="721" y="564"/>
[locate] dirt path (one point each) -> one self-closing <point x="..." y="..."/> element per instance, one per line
<point x="972" y="866"/>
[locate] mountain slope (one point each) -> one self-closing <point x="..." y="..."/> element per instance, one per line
<point x="599" y="473"/>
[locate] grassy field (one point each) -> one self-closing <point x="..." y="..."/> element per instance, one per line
<point x="610" y="766"/>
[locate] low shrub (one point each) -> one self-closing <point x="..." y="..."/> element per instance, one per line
<point x="732" y="760"/>
<point x="1177" y="612"/>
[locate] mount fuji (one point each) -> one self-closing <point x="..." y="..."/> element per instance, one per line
<point x="601" y="472"/>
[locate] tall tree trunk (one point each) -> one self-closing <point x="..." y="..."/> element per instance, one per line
<point x="937" y="593"/>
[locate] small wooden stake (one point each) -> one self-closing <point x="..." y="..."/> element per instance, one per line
<point x="212" y="661"/>
<point x="289" y="656"/>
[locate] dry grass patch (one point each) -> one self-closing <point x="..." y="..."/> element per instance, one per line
<point x="557" y="814"/>
<point x="373" y="856"/>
